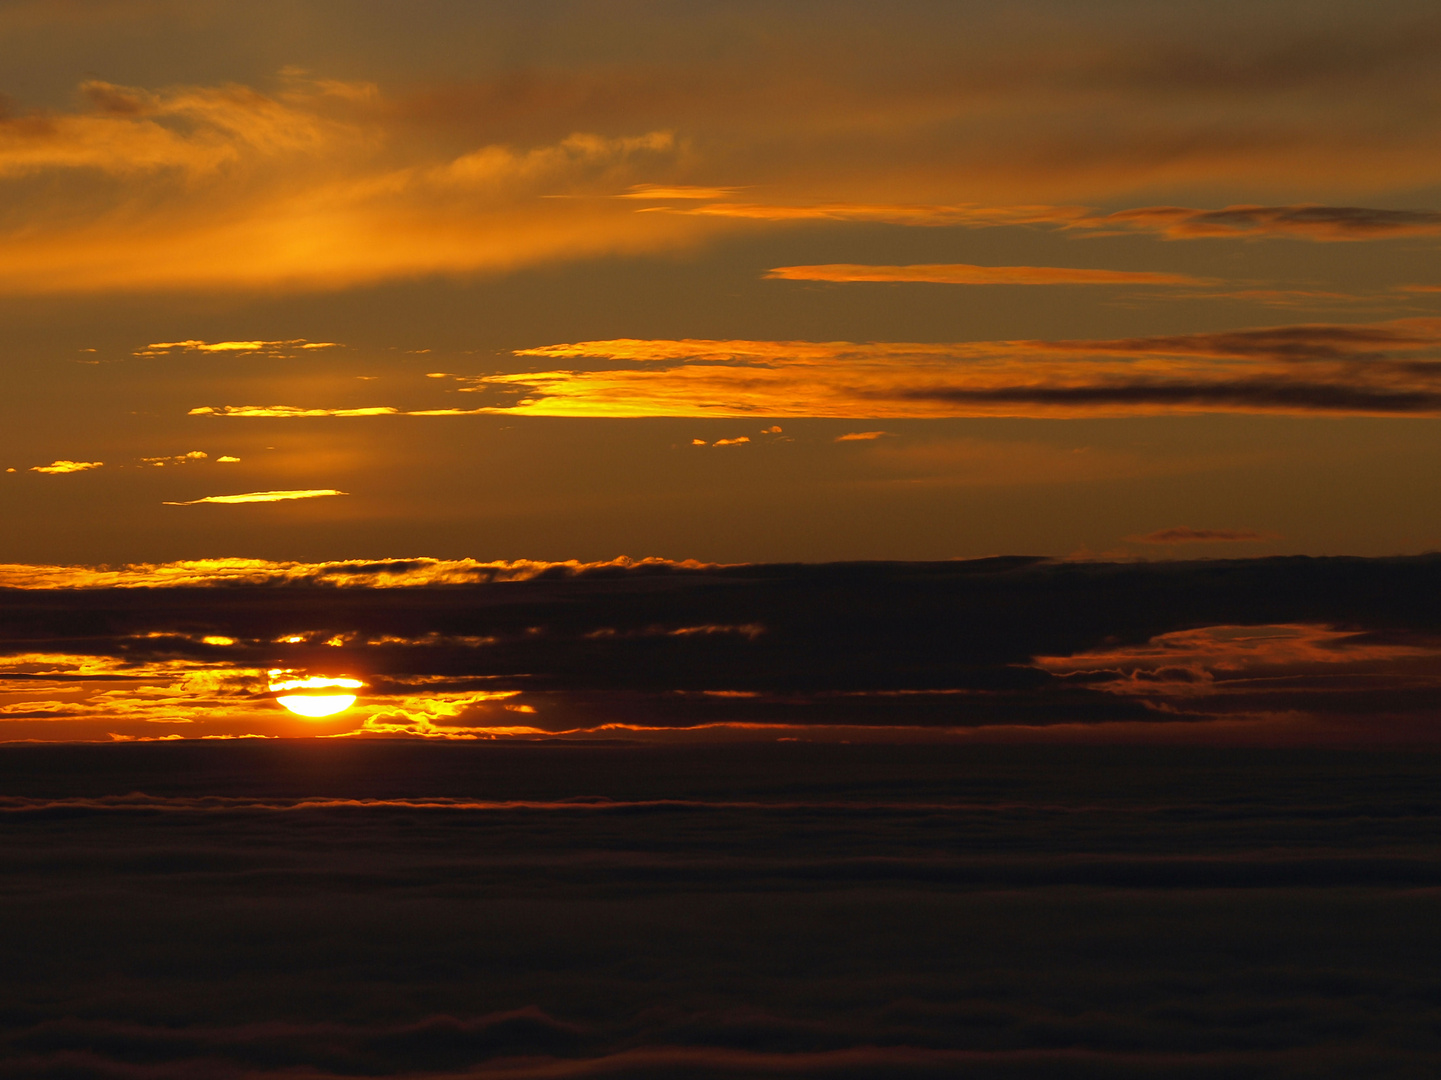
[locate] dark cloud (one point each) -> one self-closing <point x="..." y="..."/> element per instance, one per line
<point x="1184" y="534"/>
<point x="1242" y="394"/>
<point x="1305" y="221"/>
<point x="626" y="649"/>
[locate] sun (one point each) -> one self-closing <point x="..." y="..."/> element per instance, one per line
<point x="316" y="696"/>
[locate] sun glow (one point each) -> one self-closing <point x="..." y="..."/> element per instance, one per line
<point x="316" y="696"/>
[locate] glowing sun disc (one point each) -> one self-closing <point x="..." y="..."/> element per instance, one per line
<point x="317" y="704"/>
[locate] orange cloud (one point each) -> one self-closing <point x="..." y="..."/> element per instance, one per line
<point x="919" y="214"/>
<point x="272" y="348"/>
<point x="967" y="274"/>
<point x="262" y="497"/>
<point x="1378" y="369"/>
<point x="369" y="574"/>
<point x="1320" y="368"/>
<point x="313" y="186"/>
<point x="311" y="182"/>
<point x="675" y="191"/>
<point x="861" y="436"/>
<point x="63" y="466"/>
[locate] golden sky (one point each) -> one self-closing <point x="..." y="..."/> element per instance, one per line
<point x="729" y="282"/>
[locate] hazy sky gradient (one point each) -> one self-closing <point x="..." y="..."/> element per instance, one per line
<point x="1039" y="228"/>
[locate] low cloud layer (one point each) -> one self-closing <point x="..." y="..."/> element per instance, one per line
<point x="1001" y="648"/>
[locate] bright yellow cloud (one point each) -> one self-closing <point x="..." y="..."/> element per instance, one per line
<point x="165" y="348"/>
<point x="262" y="497"/>
<point x="63" y="466"/>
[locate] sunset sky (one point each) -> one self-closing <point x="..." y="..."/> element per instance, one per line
<point x="717" y="281"/>
<point x="594" y="314"/>
<point x="720" y="539"/>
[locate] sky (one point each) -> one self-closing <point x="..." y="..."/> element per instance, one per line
<point x="504" y="368"/>
<point x="728" y="282"/>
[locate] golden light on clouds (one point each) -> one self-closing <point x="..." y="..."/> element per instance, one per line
<point x="1380" y="369"/>
<point x="262" y="497"/>
<point x="167" y="348"/>
<point x="342" y="573"/>
<point x="57" y="468"/>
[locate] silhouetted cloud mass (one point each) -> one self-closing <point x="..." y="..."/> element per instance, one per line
<point x="578" y="650"/>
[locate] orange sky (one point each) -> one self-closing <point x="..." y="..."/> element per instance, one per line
<point x="316" y="281"/>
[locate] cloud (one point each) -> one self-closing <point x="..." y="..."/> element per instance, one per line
<point x="1184" y="534"/>
<point x="293" y="411"/>
<point x="861" y="436"/>
<point x="63" y="466"/>
<point x="1391" y="368"/>
<point x="262" y="497"/>
<point x="312" y="186"/>
<point x="916" y="214"/>
<point x="1377" y="369"/>
<point x="367" y="573"/>
<point x="178" y="459"/>
<point x="675" y="191"/>
<point x="1303" y="221"/>
<point x="306" y="181"/>
<point x="966" y="274"/>
<point x="269" y="348"/>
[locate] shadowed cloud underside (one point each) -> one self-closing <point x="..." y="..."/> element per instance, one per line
<point x="1288" y="650"/>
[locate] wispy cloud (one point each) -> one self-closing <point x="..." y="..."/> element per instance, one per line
<point x="222" y="187"/>
<point x="1184" y="534"/>
<point x="675" y="191"/>
<point x="354" y="573"/>
<point x="1263" y="671"/>
<point x="63" y="466"/>
<point x="971" y="215"/>
<point x="315" y="182"/>
<point x="243" y="348"/>
<point x="861" y="436"/>
<point x="1378" y="369"/>
<point x="1305" y="221"/>
<point x="967" y="274"/>
<point x="177" y="459"/>
<point x="262" y="497"/>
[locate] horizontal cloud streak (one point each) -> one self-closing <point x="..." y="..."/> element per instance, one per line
<point x="368" y="573"/>
<point x="1306" y="221"/>
<point x="967" y="274"/>
<point x="262" y="497"/>
<point x="1377" y="369"/>
<point x="1184" y="534"/>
